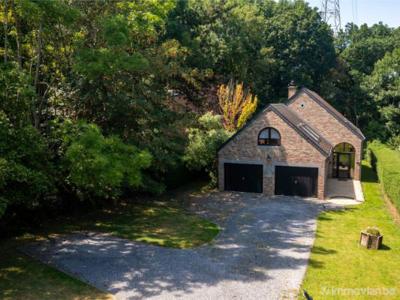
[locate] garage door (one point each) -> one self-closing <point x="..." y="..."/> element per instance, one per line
<point x="296" y="181"/>
<point x="243" y="177"/>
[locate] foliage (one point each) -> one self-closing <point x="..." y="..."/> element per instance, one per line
<point x="237" y="105"/>
<point x="383" y="85"/>
<point x="388" y="170"/>
<point x="362" y="46"/>
<point x="373" y="231"/>
<point x="25" y="170"/>
<point x="204" y="141"/>
<point x="100" y="166"/>
<point x="354" y="82"/>
<point x="394" y="143"/>
<point x="16" y="93"/>
<point x="249" y="40"/>
<point x="126" y="65"/>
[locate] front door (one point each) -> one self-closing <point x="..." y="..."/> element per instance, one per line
<point x="342" y="165"/>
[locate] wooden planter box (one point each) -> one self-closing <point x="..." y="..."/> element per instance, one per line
<point x="370" y="241"/>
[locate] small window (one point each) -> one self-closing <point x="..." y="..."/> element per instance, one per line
<point x="269" y="137"/>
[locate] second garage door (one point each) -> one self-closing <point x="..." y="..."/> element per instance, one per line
<point x="243" y="177"/>
<point x="296" y="181"/>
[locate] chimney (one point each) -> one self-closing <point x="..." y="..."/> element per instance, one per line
<point x="292" y="88"/>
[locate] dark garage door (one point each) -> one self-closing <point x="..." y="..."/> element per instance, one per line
<point x="243" y="177"/>
<point x="296" y="181"/>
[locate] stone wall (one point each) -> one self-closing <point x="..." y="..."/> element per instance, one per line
<point x="330" y="128"/>
<point x="294" y="151"/>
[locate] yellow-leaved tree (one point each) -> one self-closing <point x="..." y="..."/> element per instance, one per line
<point x="237" y="105"/>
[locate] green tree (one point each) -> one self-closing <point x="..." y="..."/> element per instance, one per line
<point x="362" y="46"/>
<point x="99" y="166"/>
<point x="25" y="170"/>
<point x="383" y="85"/>
<point x="264" y="44"/>
<point x="302" y="45"/>
<point x="204" y="140"/>
<point x="122" y="86"/>
<point x="358" y="48"/>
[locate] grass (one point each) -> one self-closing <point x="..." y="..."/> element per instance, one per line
<point x="339" y="268"/>
<point x="24" y="278"/>
<point x="388" y="167"/>
<point x="162" y="224"/>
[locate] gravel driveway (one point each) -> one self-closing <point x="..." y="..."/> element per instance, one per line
<point x="261" y="253"/>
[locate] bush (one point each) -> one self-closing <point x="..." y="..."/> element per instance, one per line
<point x="99" y="167"/>
<point x="388" y="169"/>
<point x="373" y="231"/>
<point x="394" y="142"/>
<point x="25" y="170"/>
<point x="204" y="140"/>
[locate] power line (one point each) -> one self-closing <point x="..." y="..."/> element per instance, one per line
<point x="354" y="10"/>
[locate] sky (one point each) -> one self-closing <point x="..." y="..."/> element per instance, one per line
<point x="367" y="11"/>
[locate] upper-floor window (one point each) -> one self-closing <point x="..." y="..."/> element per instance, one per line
<point x="269" y="137"/>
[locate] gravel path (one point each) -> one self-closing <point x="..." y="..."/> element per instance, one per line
<point x="261" y="253"/>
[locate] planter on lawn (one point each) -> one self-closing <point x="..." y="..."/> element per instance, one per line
<point x="370" y="241"/>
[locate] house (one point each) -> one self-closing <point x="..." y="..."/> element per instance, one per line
<point x="292" y="149"/>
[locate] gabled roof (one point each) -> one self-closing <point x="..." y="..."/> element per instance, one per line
<point x="330" y="109"/>
<point x="293" y="120"/>
<point x="309" y="133"/>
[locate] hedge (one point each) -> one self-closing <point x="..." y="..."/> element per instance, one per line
<point x="386" y="162"/>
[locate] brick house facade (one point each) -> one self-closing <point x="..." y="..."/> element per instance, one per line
<point x="291" y="149"/>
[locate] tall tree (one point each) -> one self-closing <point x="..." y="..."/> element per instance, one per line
<point x="383" y="85"/>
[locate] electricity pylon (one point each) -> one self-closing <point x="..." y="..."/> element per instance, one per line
<point x="331" y="13"/>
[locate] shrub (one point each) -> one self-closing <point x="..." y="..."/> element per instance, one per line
<point x="388" y="169"/>
<point x="25" y="170"/>
<point x="99" y="167"/>
<point x="394" y="142"/>
<point x="237" y="105"/>
<point x="204" y="140"/>
<point x="373" y="231"/>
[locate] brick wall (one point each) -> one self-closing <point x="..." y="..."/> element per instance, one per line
<point x="333" y="130"/>
<point x="294" y="151"/>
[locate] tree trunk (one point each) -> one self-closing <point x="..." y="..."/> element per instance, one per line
<point x="36" y="112"/>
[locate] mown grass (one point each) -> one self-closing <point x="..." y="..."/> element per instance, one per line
<point x="388" y="167"/>
<point x="338" y="262"/>
<point x="163" y="224"/>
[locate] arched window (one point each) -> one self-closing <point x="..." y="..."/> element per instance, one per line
<point x="269" y="137"/>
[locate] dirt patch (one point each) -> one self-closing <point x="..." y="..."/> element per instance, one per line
<point x="392" y="208"/>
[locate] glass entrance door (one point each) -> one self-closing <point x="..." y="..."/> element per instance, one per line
<point x="342" y="165"/>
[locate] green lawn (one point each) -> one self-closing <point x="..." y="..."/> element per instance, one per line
<point x="338" y="262"/>
<point x="164" y="224"/>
